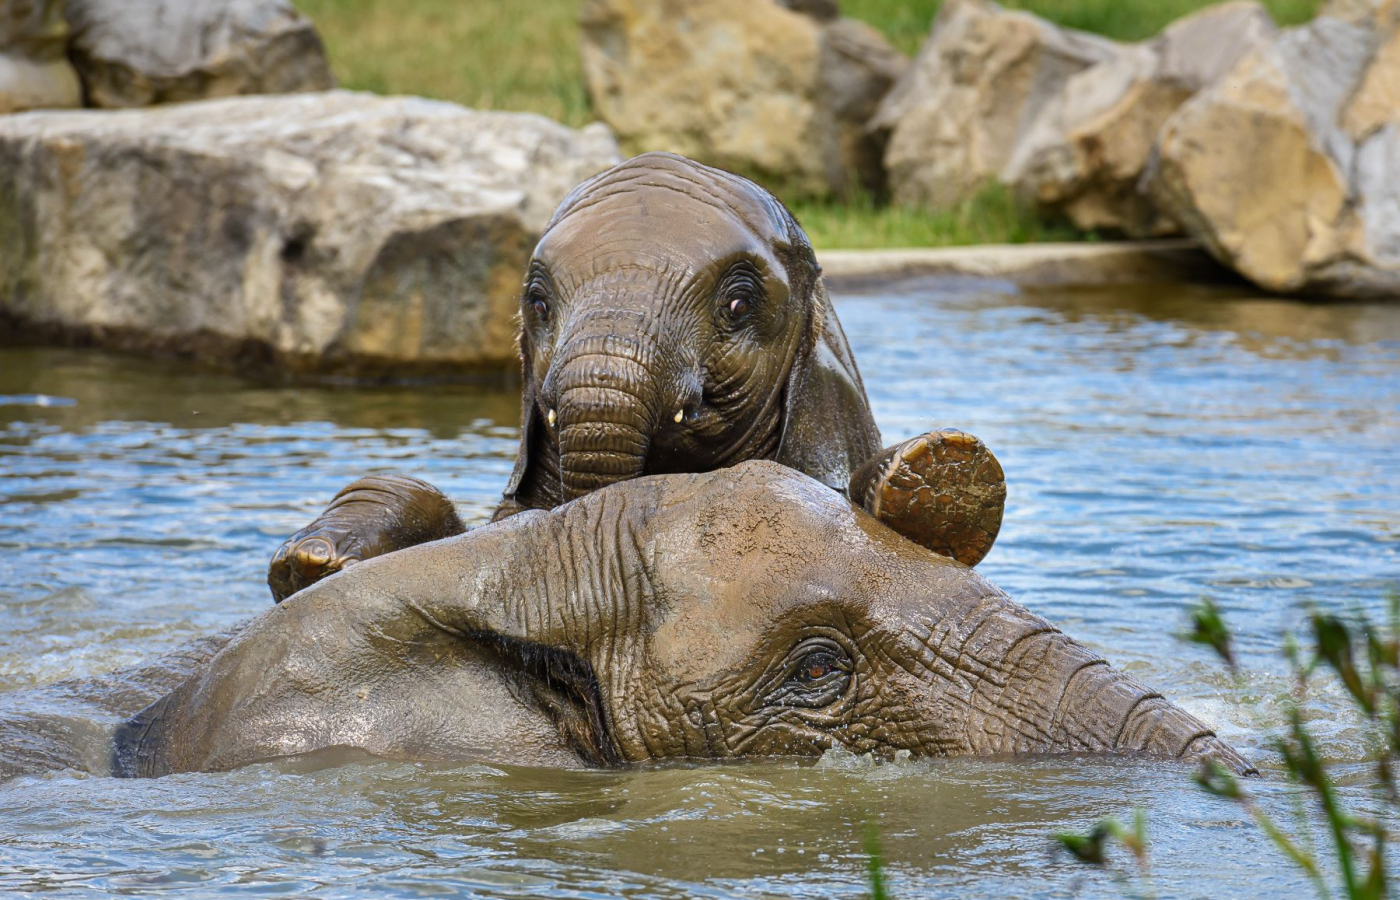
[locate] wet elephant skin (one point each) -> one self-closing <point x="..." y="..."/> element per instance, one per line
<point x="668" y="617"/>
<point x="674" y="319"/>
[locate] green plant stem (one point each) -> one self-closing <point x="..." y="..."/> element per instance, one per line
<point x="874" y="864"/>
<point x="1284" y="843"/>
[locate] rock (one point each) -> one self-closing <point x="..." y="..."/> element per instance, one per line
<point x="1384" y="13"/>
<point x="858" y="69"/>
<point x="1081" y="264"/>
<point x="334" y="232"/>
<point x="957" y="115"/>
<point x="1088" y="152"/>
<point x="779" y="93"/>
<point x="1287" y="169"/>
<point x="143" y="52"/>
<point x="822" y="10"/>
<point x="34" y="72"/>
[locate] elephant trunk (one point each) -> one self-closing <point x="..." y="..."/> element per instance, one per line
<point x="603" y="395"/>
<point x="1065" y="698"/>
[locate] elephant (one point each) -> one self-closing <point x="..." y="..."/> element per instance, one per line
<point x="667" y="617"/>
<point x="673" y="319"/>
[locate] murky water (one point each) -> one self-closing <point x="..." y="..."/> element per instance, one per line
<point x="1160" y="445"/>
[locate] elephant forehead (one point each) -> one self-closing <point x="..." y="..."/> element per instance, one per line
<point x="676" y="181"/>
<point x="651" y="224"/>
<point x="745" y="566"/>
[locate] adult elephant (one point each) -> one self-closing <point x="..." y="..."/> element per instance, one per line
<point x="673" y="319"/>
<point x="668" y="617"/>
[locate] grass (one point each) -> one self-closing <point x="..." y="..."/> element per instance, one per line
<point x="504" y="54"/>
<point x="993" y="216"/>
<point x="906" y="22"/>
<point x="487" y="54"/>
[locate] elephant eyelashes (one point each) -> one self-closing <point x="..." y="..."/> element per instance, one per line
<point x="537" y="298"/>
<point x="817" y="674"/>
<point x="740" y="291"/>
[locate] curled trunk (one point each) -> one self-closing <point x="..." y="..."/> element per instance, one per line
<point x="606" y="399"/>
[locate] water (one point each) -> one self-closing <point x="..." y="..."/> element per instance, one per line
<point x="1161" y="445"/>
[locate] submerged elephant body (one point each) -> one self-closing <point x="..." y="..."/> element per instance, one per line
<point x="663" y="618"/>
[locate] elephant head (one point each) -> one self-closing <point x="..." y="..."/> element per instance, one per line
<point x="673" y="319"/>
<point x="746" y="612"/>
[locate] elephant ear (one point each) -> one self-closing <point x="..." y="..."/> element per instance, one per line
<point x="828" y="429"/>
<point x="529" y="390"/>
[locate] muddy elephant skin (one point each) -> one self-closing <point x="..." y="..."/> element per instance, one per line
<point x="668" y="617"/>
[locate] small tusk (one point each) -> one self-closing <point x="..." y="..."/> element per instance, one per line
<point x="680" y="414"/>
<point x="551" y="417"/>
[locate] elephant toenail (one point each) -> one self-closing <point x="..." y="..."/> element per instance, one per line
<point x="550" y="417"/>
<point x="313" y="554"/>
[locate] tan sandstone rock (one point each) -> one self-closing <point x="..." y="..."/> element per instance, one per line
<point x="34" y="72"/>
<point x="1382" y="13"/>
<point x="143" y="52"/>
<point x="957" y="115"/>
<point x="332" y="232"/>
<point x="1288" y="169"/>
<point x="1089" y="150"/>
<point x="751" y="85"/>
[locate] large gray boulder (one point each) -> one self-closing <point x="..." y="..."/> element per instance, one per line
<point x="34" y="72"/>
<point x="1090" y="148"/>
<point x="333" y="232"/>
<point x="1288" y="168"/>
<point x="777" y="90"/>
<point x="956" y="117"/>
<point x="143" y="52"/>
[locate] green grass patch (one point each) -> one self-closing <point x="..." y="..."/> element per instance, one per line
<point x="992" y="216"/>
<point x="906" y="22"/>
<point x="486" y="54"/>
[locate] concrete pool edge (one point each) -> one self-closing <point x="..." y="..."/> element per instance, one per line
<point x="1029" y="265"/>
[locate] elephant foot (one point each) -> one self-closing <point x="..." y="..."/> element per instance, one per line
<point x="943" y="490"/>
<point x="375" y="515"/>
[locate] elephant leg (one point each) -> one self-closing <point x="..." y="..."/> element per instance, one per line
<point x="943" y="490"/>
<point x="372" y="516"/>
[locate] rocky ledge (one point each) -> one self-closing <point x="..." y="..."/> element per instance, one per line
<point x="1288" y="169"/>
<point x="336" y="233"/>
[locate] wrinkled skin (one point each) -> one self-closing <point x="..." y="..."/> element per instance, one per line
<point x="672" y="617"/>
<point x="674" y="319"/>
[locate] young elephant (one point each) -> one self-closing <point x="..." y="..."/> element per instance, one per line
<point x="668" y="617"/>
<point x="674" y="320"/>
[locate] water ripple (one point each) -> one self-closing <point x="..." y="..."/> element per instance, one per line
<point x="1160" y="445"/>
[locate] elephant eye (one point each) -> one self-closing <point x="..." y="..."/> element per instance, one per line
<point x="816" y="674"/>
<point x="740" y="291"/>
<point x="538" y="301"/>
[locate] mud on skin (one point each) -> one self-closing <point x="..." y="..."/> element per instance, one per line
<point x="674" y="320"/>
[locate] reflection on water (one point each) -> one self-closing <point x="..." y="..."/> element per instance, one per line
<point x="1160" y="444"/>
